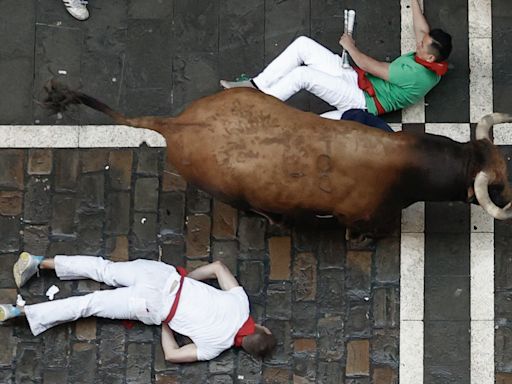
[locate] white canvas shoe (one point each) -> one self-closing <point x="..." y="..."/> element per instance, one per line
<point x="77" y="9"/>
<point x="8" y="311"/>
<point x="26" y="267"/>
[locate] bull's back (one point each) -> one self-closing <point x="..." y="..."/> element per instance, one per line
<point x="245" y="145"/>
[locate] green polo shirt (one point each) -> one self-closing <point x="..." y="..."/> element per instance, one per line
<point x="408" y="83"/>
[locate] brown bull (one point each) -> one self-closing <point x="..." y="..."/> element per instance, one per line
<point x="245" y="147"/>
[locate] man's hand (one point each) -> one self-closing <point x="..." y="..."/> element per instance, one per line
<point x="347" y="42"/>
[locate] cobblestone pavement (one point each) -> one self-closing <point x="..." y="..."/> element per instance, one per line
<point x="335" y="309"/>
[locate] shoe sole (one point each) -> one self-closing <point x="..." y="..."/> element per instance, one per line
<point x="2" y="314"/>
<point x="20" y="266"/>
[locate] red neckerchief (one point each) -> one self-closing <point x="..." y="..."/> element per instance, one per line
<point x="246" y="329"/>
<point x="439" y="68"/>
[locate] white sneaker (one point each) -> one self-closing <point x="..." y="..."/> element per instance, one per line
<point x="8" y="311"/>
<point x="77" y="8"/>
<point x="26" y="267"/>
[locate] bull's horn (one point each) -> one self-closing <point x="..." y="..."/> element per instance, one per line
<point x="485" y="124"/>
<point x="482" y="180"/>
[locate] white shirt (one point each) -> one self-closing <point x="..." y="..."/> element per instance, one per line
<point x="210" y="317"/>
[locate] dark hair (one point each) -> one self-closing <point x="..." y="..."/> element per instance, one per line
<point x="441" y="44"/>
<point x="259" y="344"/>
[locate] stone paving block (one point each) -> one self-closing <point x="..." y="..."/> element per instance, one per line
<point x="384" y="375"/>
<point x="283" y="353"/>
<point x="387" y="260"/>
<point x="173" y="251"/>
<point x="198" y="201"/>
<point x="276" y="375"/>
<point x="225" y="221"/>
<point x="39" y="161"/>
<point x="6" y="376"/>
<point x="304" y="346"/>
<point x="503" y="378"/>
<point x="6" y="277"/>
<point x="331" y="346"/>
<point x="280" y="257"/>
<point x="279" y="300"/>
<point x="55" y="375"/>
<point x="92" y="191"/>
<point x="117" y="248"/>
<point x="151" y="102"/>
<point x="148" y="160"/>
<point x="503" y="348"/>
<point x="63" y="215"/>
<point x="16" y="92"/>
<point x="329" y="373"/>
<point x="146" y="194"/>
<point x="89" y="233"/>
<point x="56" y="346"/>
<point x="304" y="277"/>
<point x="138" y="366"/>
<point x="358" y="322"/>
<point x="35" y="239"/>
<point x="85" y="329"/>
<point x="144" y="231"/>
<point x="251" y="233"/>
<point x="241" y="43"/>
<point x="224" y="363"/>
<point x="140" y="333"/>
<point x="10" y="230"/>
<point x="118" y="213"/>
<point x="438" y="245"/>
<point x="93" y="160"/>
<point x="221" y="379"/>
<point x="196" y="26"/>
<point x="172" y="212"/>
<point x="251" y="276"/>
<point x="248" y="368"/>
<point x="198" y="236"/>
<point x="148" y="54"/>
<point x="386" y="309"/>
<point x="28" y="363"/>
<point x="11" y="203"/>
<point x="359" y="269"/>
<point x="37" y="200"/>
<point x="111" y="347"/>
<point x="66" y="169"/>
<point x="331" y="249"/>
<point x="194" y="75"/>
<point x="195" y="373"/>
<point x="358" y="358"/>
<point x="120" y="169"/>
<point x="8" y="350"/>
<point x="227" y="252"/>
<point x="167" y="378"/>
<point x="331" y="291"/>
<point x="171" y="180"/>
<point x="385" y="348"/>
<point x="21" y="43"/>
<point x="446" y="297"/>
<point x="304" y="319"/>
<point x="82" y="366"/>
<point x="304" y="369"/>
<point x="11" y="168"/>
<point x="503" y="259"/>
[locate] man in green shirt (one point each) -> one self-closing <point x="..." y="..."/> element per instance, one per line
<point x="376" y="86"/>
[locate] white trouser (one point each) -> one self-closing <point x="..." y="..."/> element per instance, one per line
<point x="142" y="292"/>
<point x="305" y="64"/>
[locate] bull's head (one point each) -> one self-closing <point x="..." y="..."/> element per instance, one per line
<point x="491" y="185"/>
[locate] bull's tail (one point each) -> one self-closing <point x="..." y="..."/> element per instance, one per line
<point x="60" y="98"/>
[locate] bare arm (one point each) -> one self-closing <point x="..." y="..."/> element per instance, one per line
<point x="215" y="270"/>
<point x="365" y="62"/>
<point x="419" y="22"/>
<point x="175" y="353"/>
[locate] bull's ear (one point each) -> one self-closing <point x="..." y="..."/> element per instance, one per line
<point x="471" y="196"/>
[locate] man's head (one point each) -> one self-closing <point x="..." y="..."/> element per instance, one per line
<point x="435" y="46"/>
<point x="260" y="343"/>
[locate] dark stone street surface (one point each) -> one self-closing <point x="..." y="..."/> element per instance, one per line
<point x="333" y="308"/>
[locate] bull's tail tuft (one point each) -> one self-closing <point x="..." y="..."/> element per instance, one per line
<point x="60" y="97"/>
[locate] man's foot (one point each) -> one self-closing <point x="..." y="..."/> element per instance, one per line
<point x="246" y="82"/>
<point x="8" y="311"/>
<point x="77" y="9"/>
<point x="26" y="267"/>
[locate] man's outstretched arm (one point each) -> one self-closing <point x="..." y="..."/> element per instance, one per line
<point x="365" y="62"/>
<point x="216" y="270"/>
<point x="175" y="353"/>
<point x="420" y="25"/>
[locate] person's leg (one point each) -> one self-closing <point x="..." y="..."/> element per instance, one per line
<point x="303" y="51"/>
<point x="342" y="92"/>
<point x="112" y="304"/>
